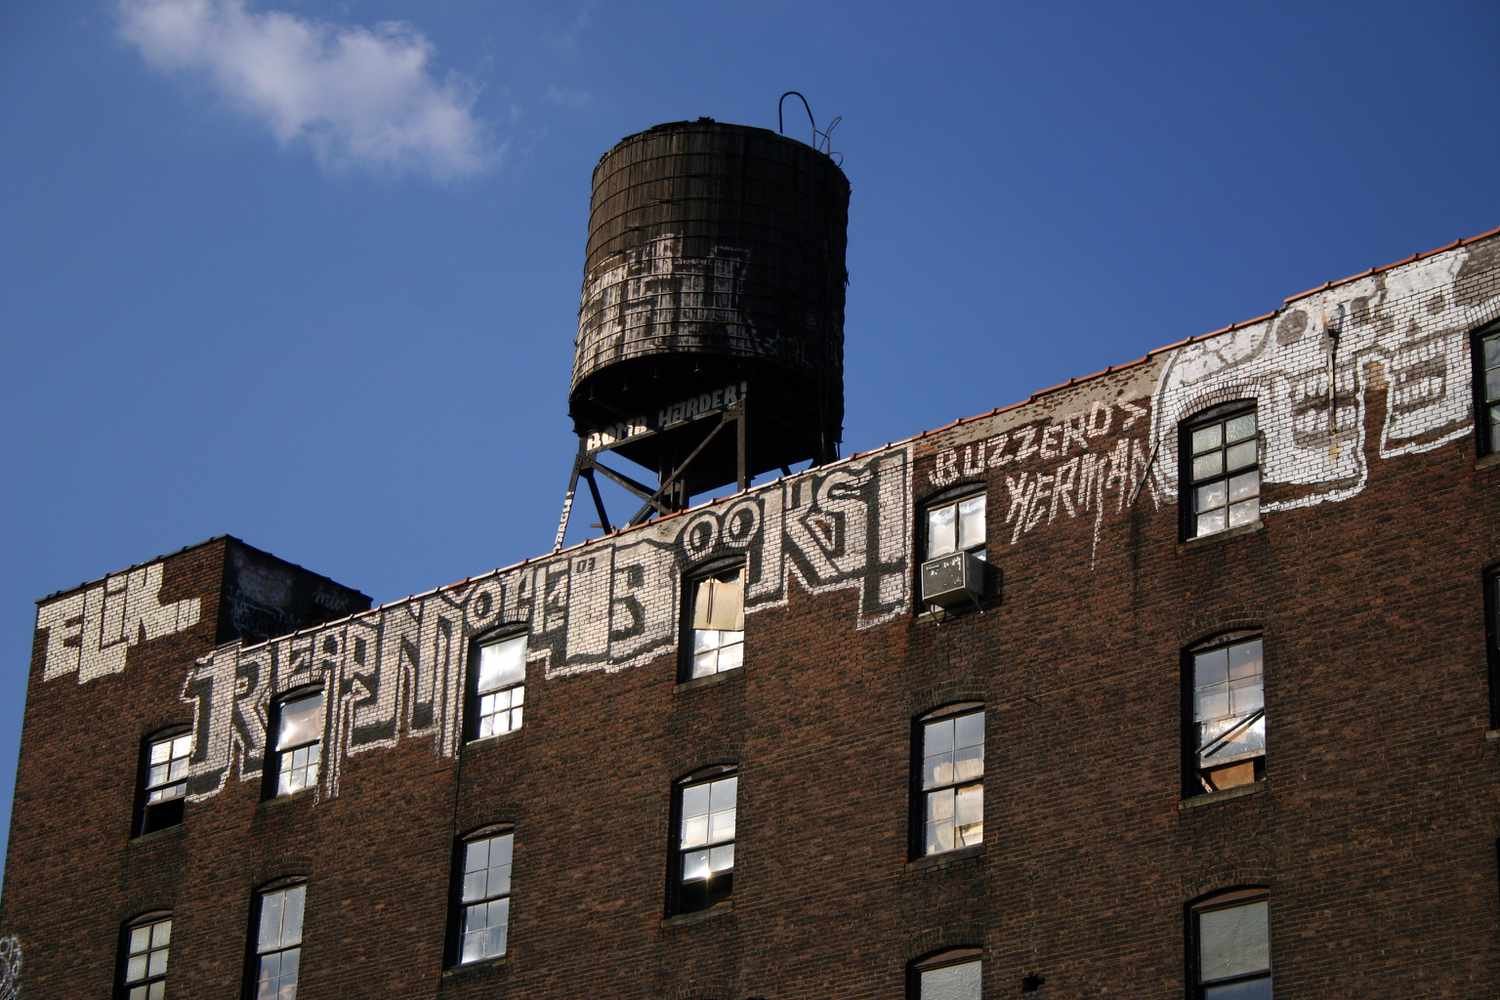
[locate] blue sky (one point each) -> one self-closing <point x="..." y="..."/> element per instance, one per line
<point x="308" y="273"/>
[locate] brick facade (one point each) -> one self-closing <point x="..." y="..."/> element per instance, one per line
<point x="1374" y="831"/>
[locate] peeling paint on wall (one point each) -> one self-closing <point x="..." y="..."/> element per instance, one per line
<point x="89" y="632"/>
<point x="398" y="672"/>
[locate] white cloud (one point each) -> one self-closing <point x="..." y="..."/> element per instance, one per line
<point x="568" y="97"/>
<point x="356" y="96"/>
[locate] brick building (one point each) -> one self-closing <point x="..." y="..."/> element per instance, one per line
<point x="1222" y="710"/>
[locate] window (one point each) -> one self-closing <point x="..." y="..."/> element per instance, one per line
<point x="952" y="779"/>
<point x="278" y="942"/>
<point x="717" y="622"/>
<point x="164" y="780"/>
<point x="147" y="945"/>
<point x="1221" y="473"/>
<point x="951" y="975"/>
<point x="1228" y="731"/>
<point x="299" y="733"/>
<point x="1231" y="947"/>
<point x="1487" y="389"/>
<point x="703" y="848"/>
<point x="498" y="686"/>
<point x="955" y="526"/>
<point x="484" y="897"/>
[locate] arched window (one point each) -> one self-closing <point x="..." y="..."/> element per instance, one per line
<point x="497" y="685"/>
<point x="704" y="813"/>
<point x="146" y="946"/>
<point x="481" y="895"/>
<point x="949" y="779"/>
<point x="954" y="521"/>
<point x="1230" y="946"/>
<point x="276" y="939"/>
<point x="295" y="751"/>
<point x="1220" y="472"/>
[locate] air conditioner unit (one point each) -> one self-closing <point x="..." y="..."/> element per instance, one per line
<point x="953" y="580"/>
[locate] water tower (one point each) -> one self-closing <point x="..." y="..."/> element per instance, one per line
<point x="710" y="342"/>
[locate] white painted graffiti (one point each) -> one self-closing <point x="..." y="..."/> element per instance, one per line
<point x="10" y="968"/>
<point x="634" y="298"/>
<point x="89" y="632"/>
<point x="398" y="671"/>
<point x="1409" y="324"/>
<point x="1083" y="468"/>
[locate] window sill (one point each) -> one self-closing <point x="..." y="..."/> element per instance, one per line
<point x="946" y="859"/>
<point x="482" y="967"/>
<point x="1488" y="461"/>
<point x="483" y="741"/>
<point x="1492" y="735"/>
<point x="697" y="683"/>
<point x="1189" y="544"/>
<point x="696" y="917"/>
<point x="176" y="830"/>
<point x="1224" y="795"/>
<point x="277" y="801"/>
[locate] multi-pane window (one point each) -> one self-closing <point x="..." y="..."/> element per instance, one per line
<point x="1232" y="945"/>
<point x="1222" y="472"/>
<point x="484" y="897"/>
<point x="165" y="781"/>
<point x="704" y="848"/>
<point x="299" y="735"/>
<point x="956" y="526"/>
<point x="1229" y="714"/>
<point x="1487" y="371"/>
<point x="498" y="697"/>
<point x="945" y="979"/>
<point x="952" y="786"/>
<point x="147" y="946"/>
<point x="718" y="622"/>
<point x="278" y="943"/>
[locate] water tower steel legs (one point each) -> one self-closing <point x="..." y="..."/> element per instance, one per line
<point x="672" y="494"/>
